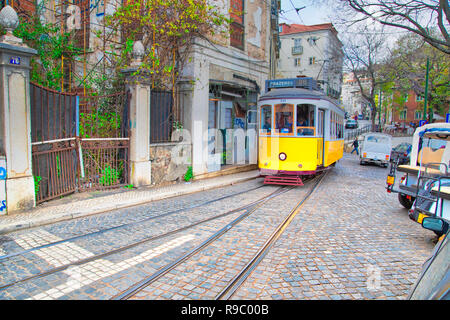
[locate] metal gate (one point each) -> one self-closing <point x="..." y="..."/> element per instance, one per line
<point x="161" y="116"/>
<point x="78" y="143"/>
<point x="104" y="141"/>
<point x="54" y="152"/>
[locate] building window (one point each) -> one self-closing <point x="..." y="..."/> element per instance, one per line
<point x="297" y="42"/>
<point x="406" y="97"/>
<point x="312" y="60"/>
<point x="419" y="98"/>
<point x="418" y="115"/>
<point x="297" y="62"/>
<point x="403" y="114"/>
<point x="312" y="41"/>
<point x="237" y="24"/>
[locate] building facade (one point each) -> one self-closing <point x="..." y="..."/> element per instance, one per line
<point x="408" y="109"/>
<point x="222" y="83"/>
<point x="311" y="51"/>
<point x="352" y="100"/>
<point x="218" y="88"/>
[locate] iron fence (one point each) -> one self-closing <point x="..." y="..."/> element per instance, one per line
<point x="54" y="152"/>
<point x="104" y="141"/>
<point x="352" y="134"/>
<point x="161" y="116"/>
<point x="78" y="143"/>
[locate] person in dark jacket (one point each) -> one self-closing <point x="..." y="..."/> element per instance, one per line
<point x="355" y="146"/>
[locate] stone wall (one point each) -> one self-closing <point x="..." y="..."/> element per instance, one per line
<point x="164" y="168"/>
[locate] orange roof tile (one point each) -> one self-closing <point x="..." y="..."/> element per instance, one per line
<point x="298" y="28"/>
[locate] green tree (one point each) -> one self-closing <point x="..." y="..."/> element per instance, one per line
<point x="406" y="68"/>
<point x="52" y="45"/>
<point x="167" y="30"/>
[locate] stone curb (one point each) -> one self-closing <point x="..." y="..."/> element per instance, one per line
<point x="40" y="221"/>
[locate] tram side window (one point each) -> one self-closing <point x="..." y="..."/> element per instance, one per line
<point x="266" y="119"/>
<point x="305" y="120"/>
<point x="340" y="128"/>
<point x="331" y="125"/>
<point x="284" y="118"/>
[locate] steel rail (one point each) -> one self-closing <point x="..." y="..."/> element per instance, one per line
<point x="139" y="286"/>
<point x="132" y="245"/>
<point x="124" y="225"/>
<point x="239" y="279"/>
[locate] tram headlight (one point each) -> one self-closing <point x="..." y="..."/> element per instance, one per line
<point x="282" y="156"/>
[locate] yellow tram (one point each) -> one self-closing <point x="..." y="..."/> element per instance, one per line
<point x="300" y="131"/>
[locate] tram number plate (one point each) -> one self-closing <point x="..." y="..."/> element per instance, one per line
<point x="390" y="180"/>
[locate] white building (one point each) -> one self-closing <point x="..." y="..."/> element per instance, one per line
<point x="351" y="97"/>
<point x="312" y="51"/>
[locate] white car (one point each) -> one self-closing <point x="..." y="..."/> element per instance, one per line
<point x="376" y="148"/>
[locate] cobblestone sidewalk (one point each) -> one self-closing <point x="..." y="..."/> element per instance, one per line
<point x="48" y="213"/>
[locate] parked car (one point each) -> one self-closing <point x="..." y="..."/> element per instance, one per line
<point x="433" y="282"/>
<point x="402" y="152"/>
<point x="375" y="148"/>
<point x="351" y="124"/>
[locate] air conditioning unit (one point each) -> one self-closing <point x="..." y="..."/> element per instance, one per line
<point x="297" y="50"/>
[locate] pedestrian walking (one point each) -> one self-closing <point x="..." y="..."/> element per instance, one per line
<point x="355" y="146"/>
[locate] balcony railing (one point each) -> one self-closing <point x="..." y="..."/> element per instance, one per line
<point x="237" y="35"/>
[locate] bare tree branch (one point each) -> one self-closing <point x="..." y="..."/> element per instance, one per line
<point x="419" y="17"/>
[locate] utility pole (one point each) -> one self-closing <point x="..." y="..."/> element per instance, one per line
<point x="379" y="114"/>
<point x="426" y="90"/>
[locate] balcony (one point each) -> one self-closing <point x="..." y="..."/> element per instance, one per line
<point x="297" y="50"/>
<point x="237" y="35"/>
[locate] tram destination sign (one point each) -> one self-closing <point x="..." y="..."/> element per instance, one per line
<point x="281" y="83"/>
<point x="307" y="83"/>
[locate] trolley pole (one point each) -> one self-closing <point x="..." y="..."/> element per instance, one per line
<point x="426" y="90"/>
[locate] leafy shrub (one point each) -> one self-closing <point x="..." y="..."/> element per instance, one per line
<point x="189" y="175"/>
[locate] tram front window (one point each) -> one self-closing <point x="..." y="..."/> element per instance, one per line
<point x="284" y="118"/>
<point x="266" y="119"/>
<point x="305" y="120"/>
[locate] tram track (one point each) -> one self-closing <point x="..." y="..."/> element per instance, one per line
<point x="229" y="290"/>
<point x="240" y="278"/>
<point x="98" y="232"/>
<point x="275" y="193"/>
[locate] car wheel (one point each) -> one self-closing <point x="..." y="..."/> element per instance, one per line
<point x="404" y="201"/>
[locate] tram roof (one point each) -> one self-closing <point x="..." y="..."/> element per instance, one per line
<point x="296" y="93"/>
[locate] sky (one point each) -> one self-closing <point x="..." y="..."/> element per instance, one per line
<point x="311" y="14"/>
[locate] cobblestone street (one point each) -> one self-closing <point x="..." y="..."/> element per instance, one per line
<point x="349" y="233"/>
<point x="350" y="240"/>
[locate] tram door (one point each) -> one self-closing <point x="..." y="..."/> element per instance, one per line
<point x="320" y="139"/>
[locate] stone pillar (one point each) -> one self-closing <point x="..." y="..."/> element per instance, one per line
<point x="15" y="120"/>
<point x="140" y="88"/>
<point x="196" y="110"/>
